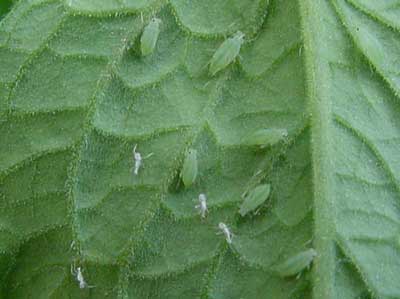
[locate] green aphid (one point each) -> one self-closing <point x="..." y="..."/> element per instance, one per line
<point x="226" y="53"/>
<point x="190" y="168"/>
<point x="266" y="137"/>
<point x="255" y="198"/>
<point x="296" y="264"/>
<point x="149" y="37"/>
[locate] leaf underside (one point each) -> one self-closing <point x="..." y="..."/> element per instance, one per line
<point x="76" y="96"/>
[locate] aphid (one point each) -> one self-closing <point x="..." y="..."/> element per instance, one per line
<point x="79" y="277"/>
<point x="225" y="230"/>
<point x="226" y="53"/>
<point x="255" y="198"/>
<point x="297" y="263"/>
<point x="266" y="137"/>
<point x="202" y="206"/>
<point x="189" y="169"/>
<point x="137" y="158"/>
<point x="149" y="37"/>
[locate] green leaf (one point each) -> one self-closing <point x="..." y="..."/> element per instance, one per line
<point x="77" y="95"/>
<point x="5" y="7"/>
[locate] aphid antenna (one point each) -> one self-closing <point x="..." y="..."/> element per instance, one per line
<point x="210" y="50"/>
<point x="232" y="24"/>
<point x="308" y="242"/>
<point x="207" y="83"/>
<point x="145" y="157"/>
<point x="249" y="40"/>
<point x="240" y="34"/>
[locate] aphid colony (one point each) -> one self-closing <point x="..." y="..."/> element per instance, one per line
<point x="252" y="199"/>
<point x="223" y="56"/>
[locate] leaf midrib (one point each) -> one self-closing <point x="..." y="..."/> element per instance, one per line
<point x="319" y="107"/>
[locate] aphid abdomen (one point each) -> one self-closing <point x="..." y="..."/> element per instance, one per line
<point x="149" y="37"/>
<point x="295" y="264"/>
<point x="223" y="57"/>
<point x="255" y="198"/>
<point x="226" y="53"/>
<point x="190" y="168"/>
<point x="266" y="137"/>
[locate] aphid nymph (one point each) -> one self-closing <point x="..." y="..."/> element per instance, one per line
<point x="297" y="263"/>
<point x="225" y="230"/>
<point x="149" y="37"/>
<point x="202" y="206"/>
<point x="137" y="158"/>
<point x="79" y="277"/>
<point x="226" y="53"/>
<point x="266" y="137"/>
<point x="190" y="168"/>
<point x="255" y="198"/>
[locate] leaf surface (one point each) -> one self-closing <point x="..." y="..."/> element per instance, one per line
<point x="76" y="96"/>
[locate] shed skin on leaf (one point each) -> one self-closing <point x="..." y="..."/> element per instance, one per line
<point x="226" y="53"/>
<point x="255" y="198"/>
<point x="190" y="168"/>
<point x="297" y="263"/>
<point x="150" y="36"/>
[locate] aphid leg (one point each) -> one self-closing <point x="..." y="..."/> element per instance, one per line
<point x="73" y="270"/>
<point x="308" y="242"/>
<point x="178" y="183"/>
<point x="148" y="156"/>
<point x="141" y="17"/>
<point x="205" y="85"/>
<point x="257" y="173"/>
